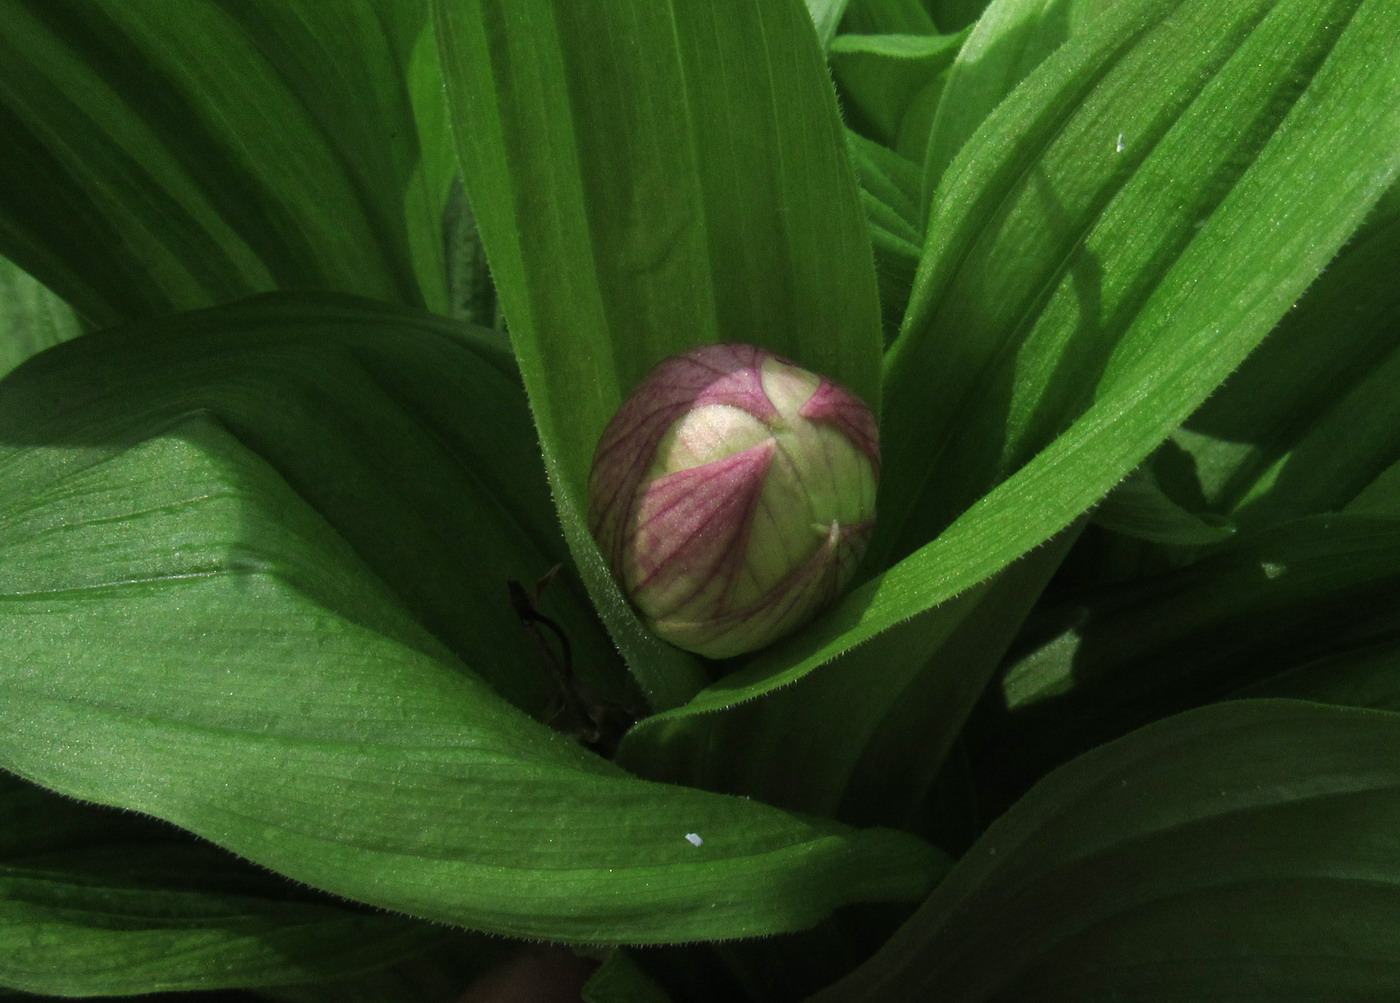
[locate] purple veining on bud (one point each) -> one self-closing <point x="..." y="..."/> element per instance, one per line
<point x="733" y="495"/>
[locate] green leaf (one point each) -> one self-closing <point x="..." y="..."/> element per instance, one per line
<point x="169" y="156"/>
<point x="1141" y="508"/>
<point x="826" y="17"/>
<point x="31" y="317"/>
<point x="220" y="532"/>
<point x="1308" y="422"/>
<point x="1053" y="296"/>
<point x="889" y="17"/>
<point x="892" y="83"/>
<point x="889" y="191"/>
<point x="954" y="15"/>
<point x="1241" y="851"/>
<point x="838" y="742"/>
<point x="95" y="902"/>
<point x="1010" y="39"/>
<point x="648" y="177"/>
<point x="1264" y="606"/>
<point x="621" y="980"/>
<point x="376" y="416"/>
<point x="1069" y="315"/>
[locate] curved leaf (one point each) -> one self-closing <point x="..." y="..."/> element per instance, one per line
<point x="1269" y="605"/>
<point x="95" y="902"/>
<point x="892" y="83"/>
<point x="1308" y="423"/>
<point x="171" y="156"/>
<point x="1245" y="850"/>
<point x="1009" y="40"/>
<point x="217" y="531"/>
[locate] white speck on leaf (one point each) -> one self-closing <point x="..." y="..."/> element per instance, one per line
<point x="693" y="838"/>
<point x="1120" y="147"/>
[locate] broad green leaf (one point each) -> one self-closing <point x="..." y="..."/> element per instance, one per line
<point x="31" y="317"/>
<point x="647" y="177"/>
<point x="1241" y="851"/>
<point x="1009" y="40"/>
<point x="1264" y="606"/>
<point x="95" y="902"/>
<point x="1069" y="315"/>
<point x="226" y="543"/>
<point x="1053" y="294"/>
<point x="377" y="417"/>
<point x="167" y="156"/>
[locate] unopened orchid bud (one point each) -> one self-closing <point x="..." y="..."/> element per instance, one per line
<point x="733" y="495"/>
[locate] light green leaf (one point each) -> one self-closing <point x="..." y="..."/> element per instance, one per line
<point x="1053" y="342"/>
<point x="214" y="563"/>
<point x="1241" y="851"/>
<point x="377" y="418"/>
<point x="647" y="177"/>
<point x="1010" y="39"/>
<point x="166" y="156"/>
<point x="826" y="17"/>
<point x="31" y="317"/>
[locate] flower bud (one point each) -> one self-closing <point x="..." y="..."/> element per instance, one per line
<point x="733" y="495"/>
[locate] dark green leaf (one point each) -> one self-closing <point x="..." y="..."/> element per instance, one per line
<point x="166" y="156"/>
<point x="94" y="902"/>
<point x="1242" y="851"/>
<point x="1142" y="509"/>
<point x="890" y="194"/>
<point x="1108" y="660"/>
<point x="864" y="738"/>
<point x="888" y="17"/>
<point x="621" y="980"/>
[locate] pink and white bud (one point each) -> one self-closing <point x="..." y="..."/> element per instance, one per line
<point x="733" y="495"/>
